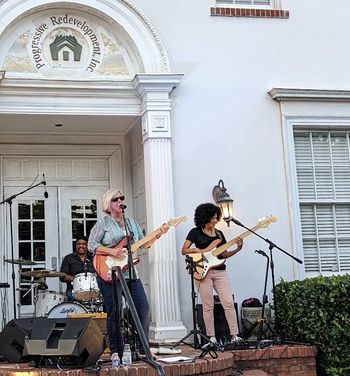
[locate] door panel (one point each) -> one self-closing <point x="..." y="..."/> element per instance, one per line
<point x="79" y="209"/>
<point x="35" y="238"/>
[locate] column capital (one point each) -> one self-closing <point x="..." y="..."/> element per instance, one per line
<point x="155" y="90"/>
<point x="156" y="83"/>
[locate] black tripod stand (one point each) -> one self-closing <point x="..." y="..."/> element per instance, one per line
<point x="262" y="320"/>
<point x="210" y="347"/>
<point x="191" y="267"/>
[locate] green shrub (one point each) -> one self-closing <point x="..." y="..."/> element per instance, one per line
<point x="317" y="311"/>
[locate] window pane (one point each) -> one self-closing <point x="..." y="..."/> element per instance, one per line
<point x="24" y="230"/>
<point x="89" y="226"/>
<point x="23" y="211"/>
<point x="39" y="230"/>
<point x="24" y="250"/>
<point x="77" y="210"/>
<point x="38" y="209"/>
<point x="91" y="210"/>
<point x="39" y="251"/>
<point x="77" y="228"/>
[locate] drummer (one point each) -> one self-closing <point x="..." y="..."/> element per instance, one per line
<point x="79" y="261"/>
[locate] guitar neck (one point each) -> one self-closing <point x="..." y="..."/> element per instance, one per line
<point x="135" y="246"/>
<point x="229" y="244"/>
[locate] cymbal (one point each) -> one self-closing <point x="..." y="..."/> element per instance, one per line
<point x="43" y="274"/>
<point x="20" y="261"/>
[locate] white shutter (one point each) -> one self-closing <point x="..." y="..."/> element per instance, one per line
<point x="323" y="177"/>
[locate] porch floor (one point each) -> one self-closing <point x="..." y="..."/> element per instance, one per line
<point x="286" y="360"/>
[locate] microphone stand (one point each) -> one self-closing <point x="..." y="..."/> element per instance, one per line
<point x="271" y="247"/>
<point x="9" y="201"/>
<point x="132" y="274"/>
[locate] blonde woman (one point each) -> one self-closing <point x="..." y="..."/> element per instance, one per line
<point x="104" y="238"/>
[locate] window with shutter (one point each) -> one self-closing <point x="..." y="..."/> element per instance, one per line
<point x="323" y="178"/>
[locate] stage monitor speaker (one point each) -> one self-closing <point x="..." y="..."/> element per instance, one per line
<point x="12" y="339"/>
<point x="74" y="342"/>
<point x="222" y="331"/>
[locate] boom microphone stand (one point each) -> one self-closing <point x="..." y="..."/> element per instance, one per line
<point x="271" y="247"/>
<point x="9" y="201"/>
<point x="143" y="339"/>
<point x="132" y="274"/>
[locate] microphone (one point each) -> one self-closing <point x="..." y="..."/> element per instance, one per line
<point x="235" y="221"/>
<point x="122" y="206"/>
<point x="85" y="267"/>
<point x="260" y="252"/>
<point x="46" y="195"/>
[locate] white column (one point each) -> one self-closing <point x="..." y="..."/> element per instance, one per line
<point x="166" y="322"/>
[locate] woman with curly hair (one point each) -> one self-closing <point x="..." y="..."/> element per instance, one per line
<point x="206" y="217"/>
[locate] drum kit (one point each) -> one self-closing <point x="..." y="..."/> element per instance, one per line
<point x="52" y="304"/>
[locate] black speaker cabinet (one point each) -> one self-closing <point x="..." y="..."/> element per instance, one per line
<point x="12" y="339"/>
<point x="65" y="342"/>
<point x="222" y="331"/>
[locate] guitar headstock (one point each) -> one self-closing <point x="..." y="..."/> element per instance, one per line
<point x="177" y="221"/>
<point x="266" y="221"/>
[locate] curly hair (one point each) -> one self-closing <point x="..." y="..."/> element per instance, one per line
<point x="204" y="213"/>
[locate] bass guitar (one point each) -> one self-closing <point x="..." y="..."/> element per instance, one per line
<point x="209" y="258"/>
<point x="103" y="264"/>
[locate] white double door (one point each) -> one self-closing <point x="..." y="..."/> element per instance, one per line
<point x="44" y="230"/>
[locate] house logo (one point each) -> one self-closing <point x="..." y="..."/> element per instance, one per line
<point x="66" y="42"/>
<point x="69" y="41"/>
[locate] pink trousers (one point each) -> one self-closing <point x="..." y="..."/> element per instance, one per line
<point x="218" y="280"/>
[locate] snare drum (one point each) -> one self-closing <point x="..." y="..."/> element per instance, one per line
<point x="85" y="287"/>
<point x="62" y="310"/>
<point x="46" y="300"/>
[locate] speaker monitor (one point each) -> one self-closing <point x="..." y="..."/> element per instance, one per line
<point x="75" y="342"/>
<point x="222" y="331"/>
<point x="12" y="339"/>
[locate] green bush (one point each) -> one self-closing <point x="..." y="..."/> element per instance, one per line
<point x="317" y="311"/>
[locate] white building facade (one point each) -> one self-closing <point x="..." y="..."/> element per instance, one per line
<point x="162" y="100"/>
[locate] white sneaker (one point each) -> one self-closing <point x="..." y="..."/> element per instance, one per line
<point x="213" y="340"/>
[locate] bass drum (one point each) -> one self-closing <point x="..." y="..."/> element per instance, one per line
<point x="62" y="311"/>
<point x="46" y="300"/>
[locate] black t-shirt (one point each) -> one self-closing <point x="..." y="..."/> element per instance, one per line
<point x="201" y="240"/>
<point x="72" y="264"/>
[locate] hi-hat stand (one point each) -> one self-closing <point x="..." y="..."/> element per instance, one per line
<point x="13" y="277"/>
<point x="272" y="245"/>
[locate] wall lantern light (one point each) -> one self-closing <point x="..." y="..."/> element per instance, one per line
<point x="223" y="199"/>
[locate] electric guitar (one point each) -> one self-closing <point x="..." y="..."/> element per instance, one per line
<point x="209" y="259"/>
<point x="103" y="264"/>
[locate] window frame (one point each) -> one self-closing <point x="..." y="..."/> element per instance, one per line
<point x="274" y="4"/>
<point x="309" y="124"/>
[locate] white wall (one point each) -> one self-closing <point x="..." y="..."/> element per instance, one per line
<point x="225" y="126"/>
